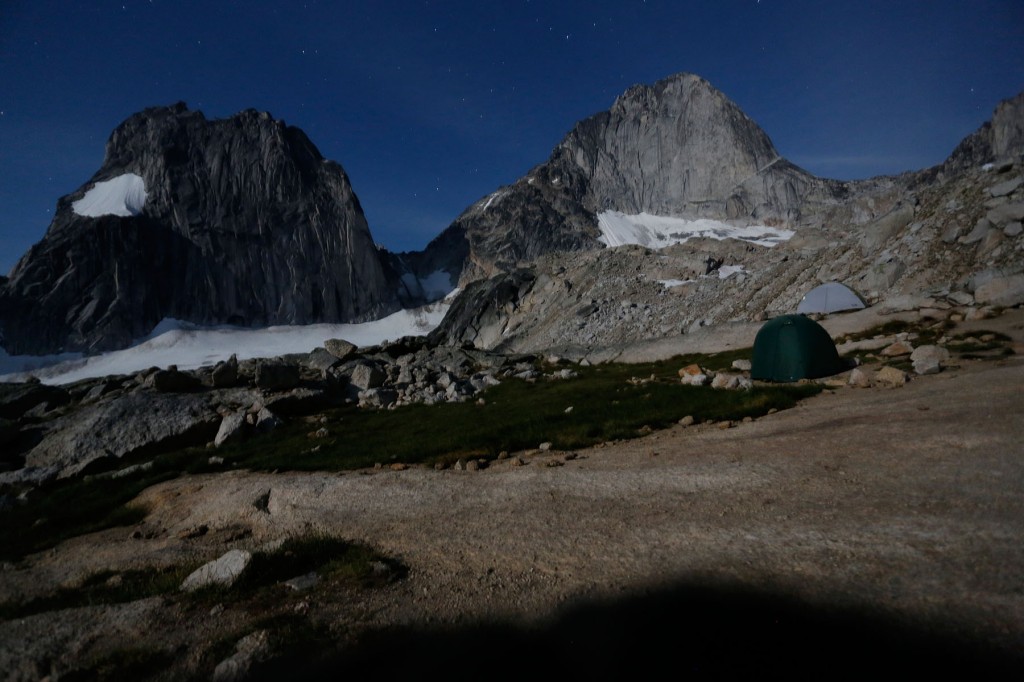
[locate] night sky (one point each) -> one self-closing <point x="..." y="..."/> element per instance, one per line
<point x="431" y="105"/>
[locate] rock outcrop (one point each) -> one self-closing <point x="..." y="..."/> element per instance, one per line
<point x="238" y="221"/>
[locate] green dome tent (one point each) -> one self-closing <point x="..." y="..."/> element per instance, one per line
<point x="793" y="347"/>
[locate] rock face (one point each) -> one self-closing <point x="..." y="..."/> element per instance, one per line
<point x="951" y="233"/>
<point x="676" y="148"/>
<point x="238" y="221"/>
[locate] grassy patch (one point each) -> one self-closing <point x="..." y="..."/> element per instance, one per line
<point x="69" y="508"/>
<point x="979" y="341"/>
<point x="105" y="587"/>
<point x="609" y="402"/>
<point x="332" y="558"/>
<point x="123" y="664"/>
<point x="927" y="331"/>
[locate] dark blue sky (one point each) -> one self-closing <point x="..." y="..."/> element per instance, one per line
<point x="431" y="105"/>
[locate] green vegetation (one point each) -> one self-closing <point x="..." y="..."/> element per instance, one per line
<point x="331" y="558"/>
<point x="105" y="587"/>
<point x="67" y="509"/>
<point x="927" y="331"/>
<point x="122" y="664"/>
<point x="978" y="342"/>
<point x="609" y="402"/>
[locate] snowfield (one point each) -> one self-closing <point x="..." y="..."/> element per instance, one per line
<point x="657" y="232"/>
<point x="123" y="196"/>
<point x="178" y="343"/>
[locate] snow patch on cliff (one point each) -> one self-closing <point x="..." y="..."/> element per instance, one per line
<point x="123" y="196"/>
<point x="657" y="232"/>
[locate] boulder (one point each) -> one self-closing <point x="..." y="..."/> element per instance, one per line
<point x="929" y="359"/>
<point x="170" y="380"/>
<point x="131" y="424"/>
<point x="298" y="401"/>
<point x="1007" y="187"/>
<point x="378" y="397"/>
<point x="891" y="376"/>
<point x="225" y="373"/>
<point x="265" y="420"/>
<point x="251" y="650"/>
<point x="232" y="427"/>
<point x="1001" y="215"/>
<point x="341" y="349"/>
<point x="980" y="231"/>
<point x="222" y="572"/>
<point x="321" y="360"/>
<point x="18" y="398"/>
<point x="1001" y="291"/>
<point x="366" y="375"/>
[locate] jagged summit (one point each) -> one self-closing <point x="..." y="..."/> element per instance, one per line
<point x="677" y="148"/>
<point x="238" y="220"/>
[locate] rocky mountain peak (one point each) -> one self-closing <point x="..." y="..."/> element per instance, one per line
<point x="237" y="220"/>
<point x="672" y="148"/>
<point x="677" y="148"/>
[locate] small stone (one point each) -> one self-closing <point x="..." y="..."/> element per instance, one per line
<point x="891" y="376"/>
<point x="303" y="582"/>
<point x="688" y="420"/>
<point x="399" y="466"/>
<point x="860" y="378"/>
<point x="742" y="365"/>
<point x="544" y="447"/>
<point x="929" y="359"/>
<point x="897" y="349"/>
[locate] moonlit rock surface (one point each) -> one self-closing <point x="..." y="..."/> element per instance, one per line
<point x="124" y="196"/>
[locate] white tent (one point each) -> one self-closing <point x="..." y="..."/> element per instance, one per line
<point x="829" y="298"/>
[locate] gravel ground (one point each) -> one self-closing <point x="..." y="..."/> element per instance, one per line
<point x="863" y="524"/>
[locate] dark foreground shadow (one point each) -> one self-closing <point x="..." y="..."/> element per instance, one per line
<point x="689" y="632"/>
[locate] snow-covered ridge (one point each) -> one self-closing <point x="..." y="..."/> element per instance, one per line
<point x="123" y="196"/>
<point x="178" y="343"/>
<point x="657" y="232"/>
